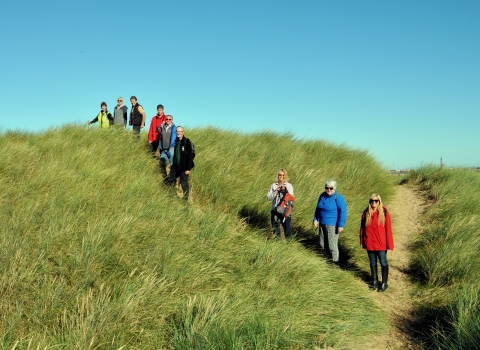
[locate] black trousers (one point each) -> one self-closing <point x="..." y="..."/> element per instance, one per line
<point x="172" y="178"/>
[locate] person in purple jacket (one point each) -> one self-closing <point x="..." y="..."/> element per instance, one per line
<point x="331" y="212"/>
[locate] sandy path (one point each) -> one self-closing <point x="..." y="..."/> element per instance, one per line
<point x="405" y="210"/>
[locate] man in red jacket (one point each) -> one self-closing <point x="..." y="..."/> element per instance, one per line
<point x="155" y="129"/>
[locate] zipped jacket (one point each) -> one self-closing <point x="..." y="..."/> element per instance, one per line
<point x="103" y="119"/>
<point x="376" y="236"/>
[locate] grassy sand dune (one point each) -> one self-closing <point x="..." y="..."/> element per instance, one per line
<point x="96" y="253"/>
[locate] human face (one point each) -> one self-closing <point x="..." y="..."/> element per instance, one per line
<point x="168" y="120"/>
<point x="120" y="102"/>
<point x="180" y="133"/>
<point x="281" y="177"/>
<point x="160" y="111"/>
<point x="329" y="190"/>
<point x="133" y="101"/>
<point x="374" y="203"/>
<point x="104" y="108"/>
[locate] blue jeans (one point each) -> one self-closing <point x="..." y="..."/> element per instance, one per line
<point x="380" y="254"/>
<point x="277" y="220"/>
<point x="167" y="154"/>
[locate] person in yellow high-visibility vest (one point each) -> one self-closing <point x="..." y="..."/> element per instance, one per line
<point x="104" y="118"/>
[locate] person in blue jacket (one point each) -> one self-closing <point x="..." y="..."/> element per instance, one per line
<point x="331" y="212"/>
<point x="168" y="134"/>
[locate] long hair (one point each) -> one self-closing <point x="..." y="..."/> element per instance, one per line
<point x="285" y="176"/>
<point x="369" y="211"/>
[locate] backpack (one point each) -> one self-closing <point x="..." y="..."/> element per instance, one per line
<point x="285" y="207"/>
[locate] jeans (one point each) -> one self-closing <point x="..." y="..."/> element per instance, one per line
<point x="380" y="254"/>
<point x="329" y="238"/>
<point x="277" y="219"/>
<point x="166" y="155"/>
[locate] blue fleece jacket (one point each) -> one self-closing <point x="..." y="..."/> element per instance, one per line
<point x="331" y="211"/>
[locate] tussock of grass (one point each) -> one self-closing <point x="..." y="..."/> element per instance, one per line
<point x="446" y="254"/>
<point x="95" y="253"/>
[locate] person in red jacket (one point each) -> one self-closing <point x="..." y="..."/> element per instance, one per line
<point x="155" y="129"/>
<point x="376" y="237"/>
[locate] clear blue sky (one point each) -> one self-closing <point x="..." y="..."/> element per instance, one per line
<point x="399" y="78"/>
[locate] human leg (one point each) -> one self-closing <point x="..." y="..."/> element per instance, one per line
<point x="382" y="255"/>
<point x="322" y="231"/>
<point x="184" y="184"/>
<point x="153" y="146"/>
<point x="163" y="162"/>
<point x="372" y="256"/>
<point x="275" y="220"/>
<point x="333" y="242"/>
<point x="136" y="131"/>
<point x="286" y="228"/>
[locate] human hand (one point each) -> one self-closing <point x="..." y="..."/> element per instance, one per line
<point x="187" y="172"/>
<point x="315" y="223"/>
<point x="340" y="229"/>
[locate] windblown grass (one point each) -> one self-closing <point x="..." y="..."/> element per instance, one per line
<point x="95" y="253"/>
<point x="447" y="260"/>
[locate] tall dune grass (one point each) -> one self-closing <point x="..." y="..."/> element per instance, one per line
<point x="447" y="256"/>
<point x="97" y="254"/>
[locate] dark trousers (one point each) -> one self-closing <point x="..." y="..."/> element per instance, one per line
<point x="380" y="254"/>
<point x="136" y="131"/>
<point x="153" y="146"/>
<point x="172" y="178"/>
<point x="278" y="220"/>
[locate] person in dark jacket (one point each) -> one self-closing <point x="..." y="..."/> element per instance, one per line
<point x="376" y="237"/>
<point x="182" y="162"/>
<point x="137" y="116"/>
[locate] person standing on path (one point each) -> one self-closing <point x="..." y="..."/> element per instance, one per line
<point x="168" y="135"/>
<point x="276" y="193"/>
<point x="103" y="118"/>
<point x="182" y="162"/>
<point x="376" y="237"/>
<point x="137" y="116"/>
<point x="120" y="114"/>
<point x="331" y="212"/>
<point x="155" y="130"/>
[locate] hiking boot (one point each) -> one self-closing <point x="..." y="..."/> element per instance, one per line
<point x="374" y="272"/>
<point x="384" y="285"/>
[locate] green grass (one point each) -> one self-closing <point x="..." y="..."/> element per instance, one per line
<point x="97" y="254"/>
<point x="446" y="255"/>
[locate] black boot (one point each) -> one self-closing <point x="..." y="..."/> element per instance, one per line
<point x="384" y="285"/>
<point x="374" y="272"/>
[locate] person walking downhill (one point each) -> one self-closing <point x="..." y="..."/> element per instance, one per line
<point x="331" y="212"/>
<point x="168" y="135"/>
<point x="137" y="116"/>
<point x="155" y="130"/>
<point x="277" y="192"/>
<point x="376" y="237"/>
<point x="103" y="118"/>
<point x="182" y="162"/>
<point x="120" y="114"/>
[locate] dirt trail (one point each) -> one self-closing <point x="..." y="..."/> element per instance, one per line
<point x="405" y="209"/>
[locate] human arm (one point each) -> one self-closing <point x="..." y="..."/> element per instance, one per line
<point x="342" y="212"/>
<point x="317" y="214"/>
<point x="124" y="108"/>
<point x="189" y="155"/>
<point x="93" y="121"/>
<point x="272" y="192"/>
<point x="144" y="117"/>
<point x="109" y="116"/>
<point x="388" y="230"/>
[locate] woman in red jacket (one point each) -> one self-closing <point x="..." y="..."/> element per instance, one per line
<point x="376" y="237"/>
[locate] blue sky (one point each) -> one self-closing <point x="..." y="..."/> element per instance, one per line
<point x="398" y="78"/>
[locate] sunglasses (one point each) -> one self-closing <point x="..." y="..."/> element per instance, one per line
<point x="328" y="188"/>
<point x="169" y="119"/>
<point x="119" y="100"/>
<point x="374" y="201"/>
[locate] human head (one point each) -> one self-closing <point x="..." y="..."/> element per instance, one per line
<point x="330" y="186"/>
<point x="180" y="132"/>
<point x="374" y="205"/>
<point x="103" y="106"/>
<point x="133" y="100"/>
<point x="120" y="101"/>
<point x="282" y="175"/>
<point x="160" y="110"/>
<point x="168" y="119"/>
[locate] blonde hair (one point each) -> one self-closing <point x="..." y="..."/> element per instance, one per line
<point x="381" y="214"/>
<point x="285" y="174"/>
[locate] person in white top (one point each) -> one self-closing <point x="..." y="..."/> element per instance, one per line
<point x="276" y="193"/>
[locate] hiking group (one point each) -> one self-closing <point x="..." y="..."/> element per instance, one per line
<point x="163" y="135"/>
<point x="330" y="218"/>
<point x="330" y="214"/>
